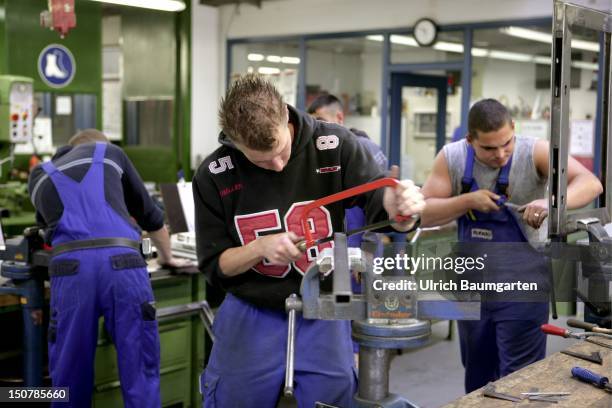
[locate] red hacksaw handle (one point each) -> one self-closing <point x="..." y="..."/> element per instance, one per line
<point x="554" y="330"/>
<point x="332" y="198"/>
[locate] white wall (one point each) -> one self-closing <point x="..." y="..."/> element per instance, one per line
<point x="206" y="83"/>
<point x="336" y="73"/>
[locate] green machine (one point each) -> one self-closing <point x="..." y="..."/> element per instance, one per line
<point x="16" y="126"/>
<point x="16" y="104"/>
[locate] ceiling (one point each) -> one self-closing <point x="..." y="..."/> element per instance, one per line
<point x="217" y="3"/>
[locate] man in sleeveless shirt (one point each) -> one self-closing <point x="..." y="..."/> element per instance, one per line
<point x="470" y="181"/>
<point x="93" y="203"/>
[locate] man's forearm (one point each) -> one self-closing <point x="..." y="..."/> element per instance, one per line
<point x="235" y="261"/>
<point x="161" y="240"/>
<point x="583" y="189"/>
<point x="440" y="211"/>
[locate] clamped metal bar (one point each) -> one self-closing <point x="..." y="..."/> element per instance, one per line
<point x="342" y="195"/>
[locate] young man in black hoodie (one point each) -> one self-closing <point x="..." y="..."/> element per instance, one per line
<point x="249" y="196"/>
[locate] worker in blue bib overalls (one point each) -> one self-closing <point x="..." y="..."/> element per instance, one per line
<point x="471" y="181"/>
<point x="85" y="197"/>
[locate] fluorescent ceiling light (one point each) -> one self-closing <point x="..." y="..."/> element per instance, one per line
<point x="585" y="45"/>
<point x="483" y="52"/>
<point x="255" y="57"/>
<point x="479" y="52"/>
<point x="547" y="38"/>
<point x="273" y="58"/>
<point x="290" y="60"/>
<point x="163" y="5"/>
<point x="449" y="47"/>
<point x="539" y="59"/>
<point x="527" y="34"/>
<point x="510" y="56"/>
<point x="395" y="39"/>
<point x="585" y="65"/>
<point x="268" y="70"/>
<point x="404" y="40"/>
<point x="376" y="37"/>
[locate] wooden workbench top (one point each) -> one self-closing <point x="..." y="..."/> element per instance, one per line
<point x="551" y="375"/>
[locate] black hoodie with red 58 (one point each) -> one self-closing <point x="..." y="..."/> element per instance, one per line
<point x="237" y="201"/>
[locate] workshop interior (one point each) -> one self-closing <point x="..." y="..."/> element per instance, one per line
<point x="153" y="76"/>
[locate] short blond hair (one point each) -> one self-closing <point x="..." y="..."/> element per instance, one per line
<point x="87" y="136"/>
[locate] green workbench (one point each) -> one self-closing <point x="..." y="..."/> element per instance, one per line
<point x="15" y="224"/>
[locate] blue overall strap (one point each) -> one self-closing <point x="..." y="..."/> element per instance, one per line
<point x="468" y="179"/>
<point x="49" y="167"/>
<point x="504" y="179"/>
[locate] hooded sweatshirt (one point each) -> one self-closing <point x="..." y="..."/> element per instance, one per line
<point x="237" y="201"/>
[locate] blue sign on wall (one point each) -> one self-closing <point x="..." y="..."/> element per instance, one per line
<point x="56" y="66"/>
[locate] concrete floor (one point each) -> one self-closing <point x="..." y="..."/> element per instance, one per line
<point x="432" y="376"/>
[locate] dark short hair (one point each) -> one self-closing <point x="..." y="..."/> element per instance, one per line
<point x="487" y="115"/>
<point x="251" y="112"/>
<point x="323" y="101"/>
<point x="87" y="136"/>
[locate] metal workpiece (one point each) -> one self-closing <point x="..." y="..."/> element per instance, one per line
<point x="342" y="281"/>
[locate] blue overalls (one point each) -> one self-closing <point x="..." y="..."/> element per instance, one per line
<point x="89" y="282"/>
<point x="507" y="337"/>
<point x="247" y="364"/>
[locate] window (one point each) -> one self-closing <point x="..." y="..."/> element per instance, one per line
<point x="277" y="60"/>
<point x="349" y="68"/>
<point x="405" y="50"/>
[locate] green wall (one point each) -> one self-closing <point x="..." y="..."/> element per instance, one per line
<point x="149" y="52"/>
<point x="3" y="65"/>
<point x="25" y="39"/>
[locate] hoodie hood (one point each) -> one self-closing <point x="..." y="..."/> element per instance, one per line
<point x="304" y="128"/>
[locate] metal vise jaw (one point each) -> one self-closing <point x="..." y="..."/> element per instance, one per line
<point x="376" y="336"/>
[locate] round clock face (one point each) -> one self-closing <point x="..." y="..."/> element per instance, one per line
<point x="425" y="32"/>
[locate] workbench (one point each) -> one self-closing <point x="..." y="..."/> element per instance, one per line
<point x="550" y="375"/>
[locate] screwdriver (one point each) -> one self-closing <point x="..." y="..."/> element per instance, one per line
<point x="592" y="378"/>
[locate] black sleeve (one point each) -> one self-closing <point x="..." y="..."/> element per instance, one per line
<point x="359" y="167"/>
<point x="139" y="204"/>
<point x="35" y="175"/>
<point x="212" y="235"/>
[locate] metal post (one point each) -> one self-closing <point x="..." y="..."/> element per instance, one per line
<point x="292" y="305"/>
<point x="373" y="373"/>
